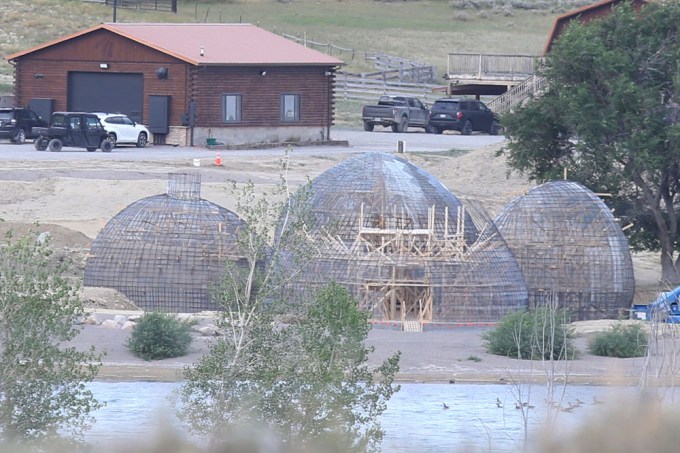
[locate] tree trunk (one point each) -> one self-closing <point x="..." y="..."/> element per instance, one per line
<point x="670" y="274"/>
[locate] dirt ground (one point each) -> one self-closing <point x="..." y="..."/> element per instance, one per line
<point x="74" y="198"/>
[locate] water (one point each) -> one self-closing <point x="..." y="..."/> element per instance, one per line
<point x="415" y="420"/>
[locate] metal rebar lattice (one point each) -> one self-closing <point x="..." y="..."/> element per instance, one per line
<point x="406" y="247"/>
<point x="569" y="246"/>
<point x="165" y="251"/>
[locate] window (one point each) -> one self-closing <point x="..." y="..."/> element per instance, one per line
<point x="231" y="108"/>
<point x="92" y="122"/>
<point x="290" y="107"/>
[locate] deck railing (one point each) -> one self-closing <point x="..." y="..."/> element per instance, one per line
<point x="491" y="66"/>
<point x="532" y="86"/>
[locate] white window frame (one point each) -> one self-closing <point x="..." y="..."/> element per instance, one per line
<point x="227" y="116"/>
<point x="290" y="108"/>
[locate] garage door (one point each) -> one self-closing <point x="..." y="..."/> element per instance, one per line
<point x="106" y="92"/>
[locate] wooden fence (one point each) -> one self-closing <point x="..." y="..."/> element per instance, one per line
<point x="151" y="5"/>
<point x="367" y="89"/>
<point x="388" y="67"/>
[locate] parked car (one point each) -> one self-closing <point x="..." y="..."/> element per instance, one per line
<point x="462" y="115"/>
<point x="74" y="129"/>
<point x="122" y="130"/>
<point x="397" y="112"/>
<point x="16" y="124"/>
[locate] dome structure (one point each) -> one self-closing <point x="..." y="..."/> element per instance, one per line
<point x="405" y="246"/>
<point x="165" y="251"/>
<point x="570" y="249"/>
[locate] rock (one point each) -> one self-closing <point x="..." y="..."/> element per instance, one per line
<point x="128" y="325"/>
<point x="120" y="319"/>
<point x="92" y="320"/>
<point x="184" y="317"/>
<point x="110" y="324"/>
<point x="134" y="318"/>
<point x="209" y="331"/>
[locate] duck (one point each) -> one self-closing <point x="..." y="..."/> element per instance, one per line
<point x="444" y="406"/>
<point x="499" y="403"/>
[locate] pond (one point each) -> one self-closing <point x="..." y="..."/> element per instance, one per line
<point x="477" y="417"/>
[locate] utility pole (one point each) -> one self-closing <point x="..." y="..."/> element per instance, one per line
<point x="115" y="7"/>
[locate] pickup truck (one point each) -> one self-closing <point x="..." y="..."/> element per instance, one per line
<point x="398" y="112"/>
<point x="75" y="129"/>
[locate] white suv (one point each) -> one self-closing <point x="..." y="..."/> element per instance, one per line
<point x="122" y="130"/>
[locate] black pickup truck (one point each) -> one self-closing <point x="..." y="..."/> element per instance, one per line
<point x="74" y="129"/>
<point x="397" y="112"/>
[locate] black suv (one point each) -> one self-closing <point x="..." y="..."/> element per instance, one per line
<point x="463" y="115"/>
<point x="17" y="124"/>
<point x="73" y="129"/>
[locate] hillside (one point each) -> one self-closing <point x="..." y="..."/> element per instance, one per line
<point x="424" y="30"/>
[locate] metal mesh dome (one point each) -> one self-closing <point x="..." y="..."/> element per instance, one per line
<point x="568" y="243"/>
<point x="406" y="247"/>
<point x="163" y="252"/>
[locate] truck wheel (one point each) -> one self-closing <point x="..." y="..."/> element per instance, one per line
<point x="467" y="128"/>
<point x="40" y="143"/>
<point x="106" y="145"/>
<point x="495" y="128"/>
<point x="368" y="127"/>
<point x="20" y="138"/>
<point x="55" y="145"/>
<point x="395" y="127"/>
<point x="403" y="125"/>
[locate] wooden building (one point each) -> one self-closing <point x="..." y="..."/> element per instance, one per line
<point x="584" y="15"/>
<point x="232" y="83"/>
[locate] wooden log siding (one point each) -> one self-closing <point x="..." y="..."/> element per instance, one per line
<point x="480" y="66"/>
<point x="261" y="95"/>
<point x="84" y="54"/>
<point x="54" y="83"/>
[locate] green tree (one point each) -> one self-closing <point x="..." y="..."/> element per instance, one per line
<point x="305" y="380"/>
<point x="42" y="381"/>
<point x="610" y="118"/>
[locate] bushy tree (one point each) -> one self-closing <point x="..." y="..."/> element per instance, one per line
<point x="160" y="336"/>
<point x="305" y="380"/>
<point x="42" y="380"/>
<point x="610" y="118"/>
<point x="540" y="334"/>
<point x="620" y="341"/>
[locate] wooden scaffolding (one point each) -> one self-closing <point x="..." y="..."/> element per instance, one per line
<point x="401" y="286"/>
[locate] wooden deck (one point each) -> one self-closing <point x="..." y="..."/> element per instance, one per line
<point x="487" y="74"/>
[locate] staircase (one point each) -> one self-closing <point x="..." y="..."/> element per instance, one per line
<point x="532" y="86"/>
<point x="412" y="326"/>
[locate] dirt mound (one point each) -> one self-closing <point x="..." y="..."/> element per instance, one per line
<point x="108" y="298"/>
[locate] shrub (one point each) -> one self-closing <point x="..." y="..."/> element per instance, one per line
<point x="538" y="334"/>
<point x="160" y="336"/>
<point x="620" y="341"/>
